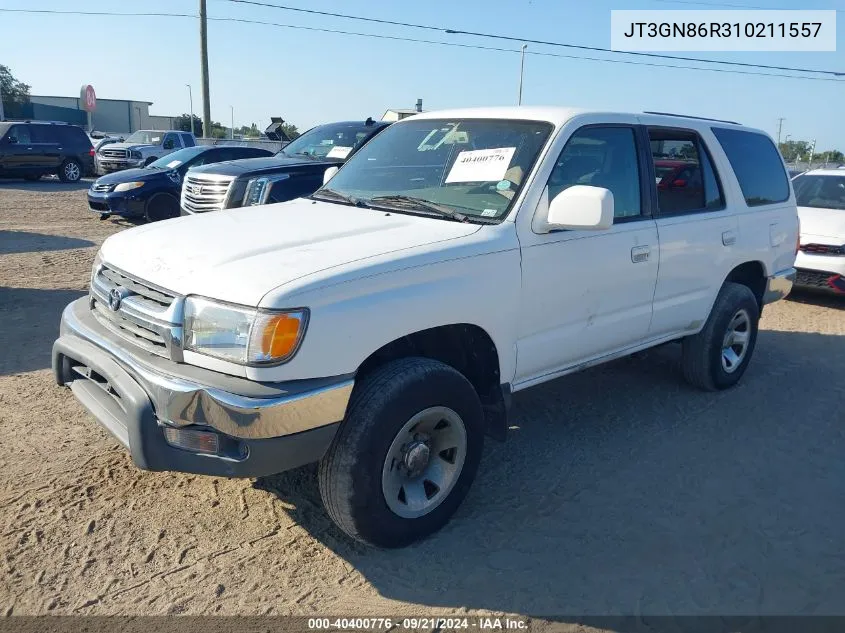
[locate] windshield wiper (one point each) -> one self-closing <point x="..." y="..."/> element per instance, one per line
<point x="330" y="195"/>
<point x="422" y="205"/>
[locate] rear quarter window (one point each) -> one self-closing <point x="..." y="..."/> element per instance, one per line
<point x="71" y="135"/>
<point x="757" y="165"/>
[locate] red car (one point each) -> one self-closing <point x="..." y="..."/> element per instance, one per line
<point x="679" y="184"/>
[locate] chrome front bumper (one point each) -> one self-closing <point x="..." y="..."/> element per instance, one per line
<point x="134" y="394"/>
<point x="779" y="285"/>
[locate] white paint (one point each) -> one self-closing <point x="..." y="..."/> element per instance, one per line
<point x="551" y="302"/>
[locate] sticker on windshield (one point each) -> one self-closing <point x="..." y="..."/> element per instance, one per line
<point x="174" y="163"/>
<point x="487" y="213"/>
<point x="338" y="151"/>
<point x="503" y="185"/>
<point x="481" y="165"/>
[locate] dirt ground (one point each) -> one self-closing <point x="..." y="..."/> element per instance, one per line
<point x="620" y="490"/>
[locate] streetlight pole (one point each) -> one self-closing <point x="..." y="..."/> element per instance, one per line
<point x="521" y="71"/>
<point x="191" y="98"/>
<point x="232" y="133"/>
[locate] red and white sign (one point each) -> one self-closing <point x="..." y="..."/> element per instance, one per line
<point x="88" y="98"/>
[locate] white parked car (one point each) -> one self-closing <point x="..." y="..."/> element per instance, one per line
<point x="820" y="261"/>
<point x="381" y="325"/>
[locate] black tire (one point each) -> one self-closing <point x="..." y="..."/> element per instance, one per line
<point x="33" y="177"/>
<point x="105" y="216"/>
<point x="161" y="206"/>
<point x="702" y="361"/>
<point x="350" y="473"/>
<point x="70" y="171"/>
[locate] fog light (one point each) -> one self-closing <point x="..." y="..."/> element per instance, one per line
<point x="192" y="440"/>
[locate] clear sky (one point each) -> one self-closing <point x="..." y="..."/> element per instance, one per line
<point x="311" y="77"/>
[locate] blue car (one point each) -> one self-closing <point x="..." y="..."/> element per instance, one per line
<point x="152" y="192"/>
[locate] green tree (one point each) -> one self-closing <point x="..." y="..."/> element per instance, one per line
<point x="14" y="91"/>
<point x="183" y="122"/>
<point x="831" y="156"/>
<point x="290" y="130"/>
<point x="794" y="150"/>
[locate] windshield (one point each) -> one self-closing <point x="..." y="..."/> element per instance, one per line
<point x="178" y="158"/>
<point x="336" y="140"/>
<point x="472" y="166"/>
<point x="145" y="137"/>
<point x="821" y="192"/>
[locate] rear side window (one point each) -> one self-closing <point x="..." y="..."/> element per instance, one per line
<point x="43" y="134"/>
<point x="188" y="140"/>
<point x="70" y="135"/>
<point x="685" y="178"/>
<point x="757" y="165"/>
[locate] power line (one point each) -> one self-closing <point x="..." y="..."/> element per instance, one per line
<point x="438" y="43"/>
<point x="532" y="41"/>
<point x="735" y="6"/>
<point x="512" y="50"/>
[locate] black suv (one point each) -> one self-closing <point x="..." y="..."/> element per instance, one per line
<point x="296" y="171"/>
<point x="31" y="149"/>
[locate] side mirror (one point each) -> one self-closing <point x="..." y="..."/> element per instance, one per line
<point x="168" y="145"/>
<point x="331" y="171"/>
<point x="579" y="208"/>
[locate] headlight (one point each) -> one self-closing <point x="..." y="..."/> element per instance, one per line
<point x="95" y="267"/>
<point x="247" y="336"/>
<point x="258" y="189"/>
<point x="128" y="186"/>
<point x="135" y="154"/>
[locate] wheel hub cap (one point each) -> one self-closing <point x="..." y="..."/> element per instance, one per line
<point x="735" y="343"/>
<point x="416" y="458"/>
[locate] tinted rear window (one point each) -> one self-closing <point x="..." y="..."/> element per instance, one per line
<point x="188" y="140"/>
<point x="757" y="165"/>
<point x="71" y="135"/>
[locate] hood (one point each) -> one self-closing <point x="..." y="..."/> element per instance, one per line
<point x="130" y="175"/>
<point x="268" y="165"/>
<point x="828" y="223"/>
<point x="239" y="255"/>
<point x="140" y="146"/>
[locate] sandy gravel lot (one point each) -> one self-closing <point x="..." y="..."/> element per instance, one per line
<point x="620" y="491"/>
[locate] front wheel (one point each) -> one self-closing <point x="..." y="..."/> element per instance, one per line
<point x="406" y="454"/>
<point x="161" y="206"/>
<point x="717" y="357"/>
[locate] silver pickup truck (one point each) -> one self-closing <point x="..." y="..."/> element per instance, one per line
<point x="141" y="148"/>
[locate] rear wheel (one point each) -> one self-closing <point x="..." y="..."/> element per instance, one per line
<point x="717" y="357"/>
<point x="70" y="171"/>
<point x="161" y="207"/>
<point x="406" y="454"/>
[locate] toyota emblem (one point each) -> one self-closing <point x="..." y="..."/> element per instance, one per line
<point x="114" y="299"/>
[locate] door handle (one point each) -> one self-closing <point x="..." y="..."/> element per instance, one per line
<point x="640" y="254"/>
<point x="728" y="238"/>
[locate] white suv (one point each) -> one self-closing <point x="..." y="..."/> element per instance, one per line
<point x="821" y="207"/>
<point x="381" y="325"/>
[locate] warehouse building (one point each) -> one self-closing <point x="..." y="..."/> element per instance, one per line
<point x="118" y="116"/>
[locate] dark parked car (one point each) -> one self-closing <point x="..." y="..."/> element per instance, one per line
<point x="31" y="149"/>
<point x="152" y="192"/>
<point x="294" y="172"/>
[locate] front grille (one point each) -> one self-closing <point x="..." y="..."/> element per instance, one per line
<point x="146" y="315"/>
<point x="102" y="188"/>
<point x="204" y="193"/>
<point x="823" y="249"/>
<point x="817" y="279"/>
<point x="114" y="153"/>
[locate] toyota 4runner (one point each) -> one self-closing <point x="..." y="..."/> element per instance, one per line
<point x="381" y="325"/>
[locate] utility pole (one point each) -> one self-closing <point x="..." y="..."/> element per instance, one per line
<point x="2" y="115"/>
<point x="780" y="125"/>
<point x="812" y="152"/>
<point x="521" y="71"/>
<point x="232" y="132"/>
<point x="206" y="104"/>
